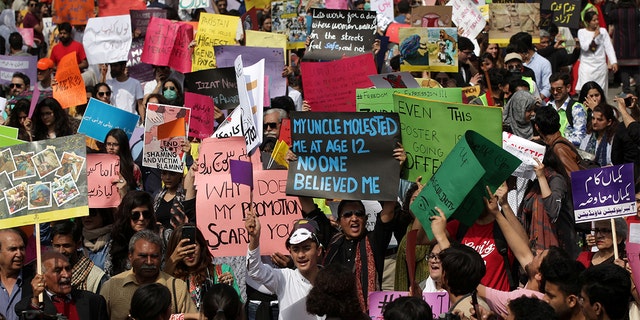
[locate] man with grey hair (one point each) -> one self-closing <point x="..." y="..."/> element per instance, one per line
<point x="14" y="275"/>
<point x="145" y="249"/>
<point x="272" y="122"/>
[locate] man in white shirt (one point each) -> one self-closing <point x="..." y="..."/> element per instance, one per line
<point x="126" y="91"/>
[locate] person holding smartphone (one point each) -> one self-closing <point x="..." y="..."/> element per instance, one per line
<point x="188" y="258"/>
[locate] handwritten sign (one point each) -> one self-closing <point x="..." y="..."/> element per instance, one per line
<point x="137" y="69"/>
<point x="213" y="30"/>
<point x="194" y="4"/>
<point x="439" y="302"/>
<point x="251" y="94"/>
<point x="459" y="185"/>
<point x="384" y="10"/>
<point x="344" y="155"/>
<point x="69" y="90"/>
<point x="108" y="39"/>
<point x="102" y="170"/>
<point x="525" y="150"/>
<point x="107" y="8"/>
<point x="467" y="17"/>
<point x="76" y="12"/>
<point x="12" y="64"/>
<point x="43" y="186"/>
<point x="163" y="154"/>
<point x="565" y="13"/>
<point x="603" y="193"/>
<point x="140" y="19"/>
<point x="339" y="33"/>
<point x="504" y="23"/>
<point x="219" y="84"/>
<point x="274" y="63"/>
<point x="166" y="44"/>
<point x="341" y="78"/>
<point x="381" y="100"/>
<point x="202" y="121"/>
<point x="289" y="18"/>
<point x="100" y="118"/>
<point x="228" y="203"/>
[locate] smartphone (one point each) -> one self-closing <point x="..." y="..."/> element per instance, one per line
<point x="627" y="100"/>
<point x="189" y="232"/>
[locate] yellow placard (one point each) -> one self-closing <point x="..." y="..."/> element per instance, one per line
<point x="213" y="30"/>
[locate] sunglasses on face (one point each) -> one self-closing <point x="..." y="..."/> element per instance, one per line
<point x="270" y="125"/>
<point x="135" y="215"/>
<point x="15" y="85"/>
<point x="106" y="93"/>
<point x="172" y="88"/>
<point x="357" y="213"/>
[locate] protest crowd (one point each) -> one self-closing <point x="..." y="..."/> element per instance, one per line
<point x="337" y="159"/>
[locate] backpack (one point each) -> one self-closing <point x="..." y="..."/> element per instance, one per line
<point x="513" y="270"/>
<point x="583" y="162"/>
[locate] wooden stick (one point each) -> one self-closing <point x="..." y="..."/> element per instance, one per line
<point x="615" y="238"/>
<point x="38" y="257"/>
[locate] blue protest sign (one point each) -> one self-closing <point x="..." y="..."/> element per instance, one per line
<point x="100" y="118"/>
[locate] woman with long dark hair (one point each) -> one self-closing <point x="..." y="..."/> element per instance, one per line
<point x="19" y="118"/>
<point x="117" y="143"/>
<point x="600" y="132"/>
<point x="50" y="121"/>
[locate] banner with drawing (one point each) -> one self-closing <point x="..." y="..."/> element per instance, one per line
<point x="165" y="131"/>
<point x="43" y="181"/>
<point x="459" y="185"/>
<point x="429" y="49"/>
<point x="226" y="203"/>
<point x="603" y="193"/>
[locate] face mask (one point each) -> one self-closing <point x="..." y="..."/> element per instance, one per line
<point x="367" y="6"/>
<point x="170" y="94"/>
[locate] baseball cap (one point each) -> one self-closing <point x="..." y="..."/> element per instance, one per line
<point x="512" y="56"/>
<point x="303" y="230"/>
<point x="45" y="63"/>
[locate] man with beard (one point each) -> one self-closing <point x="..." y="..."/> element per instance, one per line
<point x="66" y="240"/>
<point x="126" y="91"/>
<point x="14" y="278"/>
<point x="68" y="45"/>
<point x="145" y="248"/>
<point x="59" y="296"/>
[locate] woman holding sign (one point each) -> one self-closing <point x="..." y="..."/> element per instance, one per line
<point x="602" y="236"/>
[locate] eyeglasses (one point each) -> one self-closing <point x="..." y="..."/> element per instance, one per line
<point x="112" y="144"/>
<point x="135" y="215"/>
<point x="104" y="93"/>
<point x="556" y="89"/>
<point x="16" y="85"/>
<point x="601" y="230"/>
<point x="172" y="88"/>
<point x="270" y="125"/>
<point x="358" y="213"/>
<point x="433" y="256"/>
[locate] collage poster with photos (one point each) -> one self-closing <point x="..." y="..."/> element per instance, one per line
<point x="43" y="181"/>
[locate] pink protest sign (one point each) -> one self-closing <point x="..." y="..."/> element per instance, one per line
<point x="202" y="122"/>
<point x="159" y="40"/>
<point x="336" y="4"/>
<point x="439" y="301"/>
<point x="340" y="78"/>
<point x="180" y="58"/>
<point x="102" y="170"/>
<point x="27" y="35"/>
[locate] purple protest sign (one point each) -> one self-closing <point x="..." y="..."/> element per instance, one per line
<point x="202" y="121"/>
<point x="241" y="172"/>
<point x="11" y="64"/>
<point x="439" y="301"/>
<point x="603" y="193"/>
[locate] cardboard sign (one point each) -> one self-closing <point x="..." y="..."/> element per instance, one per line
<point x="289" y="18"/>
<point x="460" y="184"/>
<point x="12" y="64"/>
<point x="341" y="78"/>
<point x="265" y="40"/>
<point x="340" y="33"/>
<point x="213" y="30"/>
<point x="163" y="154"/>
<point x="465" y="15"/>
<point x="336" y="4"/>
<point x="274" y="63"/>
<point x="393" y="30"/>
<point x="431" y="16"/>
<point x="603" y="193"/>
<point x="109" y="8"/>
<point x="166" y="44"/>
<point x="434" y="49"/>
<point x="381" y="100"/>
<point x="100" y="118"/>
<point x="439" y="302"/>
<point x="47" y="181"/>
<point x="102" y="170"/>
<point x="430" y="130"/>
<point x="525" y="150"/>
<point x="393" y="80"/>
<point x="344" y="155"/>
<point x="219" y="84"/>
<point x="137" y="69"/>
<point x="202" y="121"/>
<point x="384" y="10"/>
<point x="140" y="19"/>
<point x="27" y="36"/>
<point x="508" y="19"/>
<point x="633" y="250"/>
<point x="251" y="94"/>
<point x="69" y="90"/>
<point x="194" y="4"/>
<point x="565" y="13"/>
<point x="108" y="39"/>
<point x="76" y="12"/>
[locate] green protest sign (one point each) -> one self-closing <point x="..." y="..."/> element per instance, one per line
<point x="431" y="128"/>
<point x="381" y="99"/>
<point x="457" y="188"/>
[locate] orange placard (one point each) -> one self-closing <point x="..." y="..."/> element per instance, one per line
<point x="109" y="8"/>
<point x="392" y="31"/>
<point x="76" y="12"/>
<point x="69" y="89"/>
<point x="175" y="128"/>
